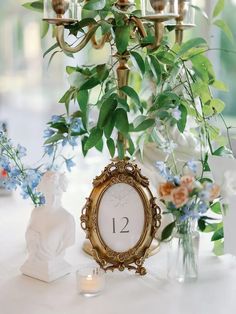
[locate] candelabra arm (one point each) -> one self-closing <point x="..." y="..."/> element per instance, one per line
<point x="99" y="44"/>
<point x="66" y="47"/>
<point x="122" y="78"/>
<point x="139" y="24"/>
<point x="159" y="32"/>
<point x="179" y="34"/>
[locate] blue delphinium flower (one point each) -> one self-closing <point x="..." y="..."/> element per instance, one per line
<point x="76" y="125"/>
<point x="21" y="151"/>
<point x="204" y="195"/>
<point x="203" y="207"/>
<point x="73" y="141"/>
<point x="5" y="163"/>
<point x="49" y="149"/>
<point x="189" y="212"/>
<point x="69" y="164"/>
<point x="10" y="184"/>
<point x="32" y="178"/>
<point x="48" y="133"/>
<point x="164" y="171"/>
<point x="55" y="118"/>
<point x="192" y="165"/>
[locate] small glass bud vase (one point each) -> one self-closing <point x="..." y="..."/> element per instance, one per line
<point x="61" y="11"/>
<point x="159" y="10"/>
<point x="183" y="252"/>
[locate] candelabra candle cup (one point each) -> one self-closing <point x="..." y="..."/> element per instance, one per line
<point x="160" y="10"/>
<point x="61" y="11"/>
<point x="60" y="7"/>
<point x="90" y="281"/>
<point x="186" y="15"/>
<point x="158" y="5"/>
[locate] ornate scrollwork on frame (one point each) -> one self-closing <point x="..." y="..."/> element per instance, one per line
<point x="121" y="217"/>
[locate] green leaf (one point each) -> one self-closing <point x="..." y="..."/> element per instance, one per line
<point x="122" y="103"/>
<point x="70" y="69"/>
<point x="138" y="61"/>
<point x="99" y="145"/>
<point x="167" y="231"/>
<point x="218" y="249"/>
<point x="220" y="86"/>
<point x="195" y="42"/>
<point x="131" y="148"/>
<point x="82" y="99"/>
<point x="55" y="138"/>
<point x="219" y="7"/>
<point x="44" y="27"/>
<point x="217" y="105"/>
<point x="102" y="72"/>
<point x="144" y="125"/>
<point x="108" y="128"/>
<point x="155" y="68"/>
<point x="201" y="224"/>
<point x="105" y="26"/>
<point x="120" y="149"/>
<point x="66" y="98"/>
<point x="90" y="83"/>
<point x="129" y="91"/>
<point x="83" y="142"/>
<point x="122" y="36"/>
<point x="111" y="147"/>
<point x="223" y="151"/>
<point x="197" y="8"/>
<point x="218" y="234"/>
<point x="34" y="6"/>
<point x="181" y="124"/>
<point x="108" y="106"/>
<point x="211" y="228"/>
<point x="225" y="28"/>
<point x="94" y="137"/>
<point x="122" y="123"/>
<point x="165" y="57"/>
<point x="54" y="46"/>
<point x="95" y="5"/>
<point x="216" y="208"/>
<point x="203" y="68"/>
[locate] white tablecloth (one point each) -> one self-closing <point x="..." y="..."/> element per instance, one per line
<point x="213" y="293"/>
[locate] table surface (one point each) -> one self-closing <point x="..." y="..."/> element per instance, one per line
<point x="125" y="292"/>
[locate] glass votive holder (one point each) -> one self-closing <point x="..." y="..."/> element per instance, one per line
<point x="159" y="10"/>
<point x="186" y="15"/>
<point x="90" y="281"/>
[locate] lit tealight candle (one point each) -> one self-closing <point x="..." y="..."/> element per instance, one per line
<point x="90" y="281"/>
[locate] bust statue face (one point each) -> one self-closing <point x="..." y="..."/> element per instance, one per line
<point x="52" y="185"/>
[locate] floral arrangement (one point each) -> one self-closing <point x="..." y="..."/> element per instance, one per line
<point x="186" y="197"/>
<point x="15" y="173"/>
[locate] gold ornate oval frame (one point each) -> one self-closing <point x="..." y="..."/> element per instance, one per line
<point x="122" y="171"/>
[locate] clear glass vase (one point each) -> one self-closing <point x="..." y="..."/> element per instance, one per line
<point x="183" y="252"/>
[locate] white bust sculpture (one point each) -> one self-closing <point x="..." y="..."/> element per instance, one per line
<point x="50" y="231"/>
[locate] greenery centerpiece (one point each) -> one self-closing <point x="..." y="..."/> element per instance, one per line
<point x="169" y="85"/>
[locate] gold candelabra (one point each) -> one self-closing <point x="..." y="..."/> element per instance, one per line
<point x="158" y="13"/>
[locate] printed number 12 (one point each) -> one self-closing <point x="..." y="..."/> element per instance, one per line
<point x="123" y="230"/>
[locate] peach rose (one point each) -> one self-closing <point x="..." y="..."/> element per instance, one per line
<point x="179" y="196"/>
<point x="214" y="192"/>
<point x="165" y="189"/>
<point x="188" y="182"/>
